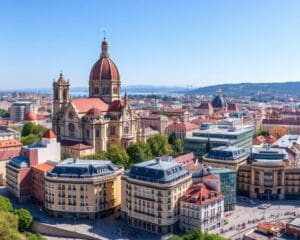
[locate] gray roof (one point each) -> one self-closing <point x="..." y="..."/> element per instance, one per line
<point x="268" y="154"/>
<point x="227" y="153"/>
<point x="77" y="168"/>
<point x="159" y="171"/>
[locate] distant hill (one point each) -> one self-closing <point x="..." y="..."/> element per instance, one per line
<point x="291" y="89"/>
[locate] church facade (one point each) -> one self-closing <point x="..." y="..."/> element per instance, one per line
<point x="90" y="125"/>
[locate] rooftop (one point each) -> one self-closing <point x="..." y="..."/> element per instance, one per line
<point x="43" y="167"/>
<point x="200" y="194"/>
<point x="78" y="168"/>
<point x="19" y="162"/>
<point x="158" y="171"/>
<point x="227" y="153"/>
<point x="268" y="154"/>
<point x="287" y="141"/>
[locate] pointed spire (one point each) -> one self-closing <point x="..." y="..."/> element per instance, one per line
<point x="104" y="48"/>
<point x="125" y="96"/>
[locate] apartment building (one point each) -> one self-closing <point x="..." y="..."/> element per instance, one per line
<point x="83" y="188"/>
<point x="150" y="195"/>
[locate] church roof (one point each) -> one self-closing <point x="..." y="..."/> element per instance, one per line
<point x="83" y="105"/>
<point x="116" y="106"/>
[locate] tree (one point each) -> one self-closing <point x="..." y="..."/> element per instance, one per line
<point x="5" y="204"/>
<point x="4" y="113"/>
<point x="9" y="227"/>
<point x="117" y="155"/>
<point x="159" y="145"/>
<point x="28" y="129"/>
<point x="65" y="156"/>
<point x="35" y="236"/>
<point x="30" y="139"/>
<point x="24" y="218"/>
<point x="208" y="146"/>
<point x="31" y="128"/>
<point x="176" y="143"/>
<point x="139" y="152"/>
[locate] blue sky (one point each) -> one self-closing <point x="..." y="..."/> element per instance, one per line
<point x="153" y="42"/>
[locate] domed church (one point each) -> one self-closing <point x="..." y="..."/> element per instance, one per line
<point x="219" y="103"/>
<point x="89" y="125"/>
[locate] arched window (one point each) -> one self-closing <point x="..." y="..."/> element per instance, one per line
<point x="115" y="90"/>
<point x="56" y="93"/>
<point x="65" y="94"/>
<point x="126" y="129"/>
<point x="88" y="133"/>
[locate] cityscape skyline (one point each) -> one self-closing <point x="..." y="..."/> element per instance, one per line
<point x="207" y="43"/>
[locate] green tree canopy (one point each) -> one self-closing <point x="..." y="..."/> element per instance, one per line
<point x="5" y="204"/>
<point x="9" y="227"/>
<point x="24" y="218"/>
<point x="31" y="128"/>
<point x="117" y="155"/>
<point x="30" y="139"/>
<point x="35" y="236"/>
<point x="176" y="143"/>
<point x="139" y="152"/>
<point x="159" y="145"/>
<point x="4" y="113"/>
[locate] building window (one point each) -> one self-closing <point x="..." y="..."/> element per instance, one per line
<point x="71" y="127"/>
<point x="88" y="133"/>
<point x="115" y="90"/>
<point x="112" y="130"/>
<point x="97" y="133"/>
<point x="96" y="90"/>
<point x="126" y="129"/>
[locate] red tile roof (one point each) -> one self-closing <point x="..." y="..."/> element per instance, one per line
<point x="183" y="126"/>
<point x="49" y="134"/>
<point x="116" y="106"/>
<point x="83" y="105"/>
<point x="282" y="121"/>
<point x="200" y="194"/>
<point x="43" y="167"/>
<point x="10" y="143"/>
<point x="205" y="106"/>
<point x="6" y="155"/>
<point x="184" y="159"/>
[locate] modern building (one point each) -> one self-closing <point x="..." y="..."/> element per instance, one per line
<point x="201" y="207"/>
<point x="83" y="188"/>
<point x="19" y="109"/>
<point x="101" y="119"/>
<point x="238" y="136"/>
<point x="150" y="195"/>
<point x="228" y="186"/>
<point x="18" y="169"/>
<point x="226" y="157"/>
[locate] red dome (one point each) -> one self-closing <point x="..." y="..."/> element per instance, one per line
<point x="104" y="68"/>
<point x="30" y="116"/>
<point x="93" y="112"/>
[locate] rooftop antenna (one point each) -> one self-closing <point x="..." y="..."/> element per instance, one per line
<point x="104" y="34"/>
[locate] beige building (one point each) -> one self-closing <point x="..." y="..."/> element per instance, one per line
<point x="99" y="120"/>
<point x="269" y="176"/>
<point x="150" y="195"/>
<point x="83" y="188"/>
